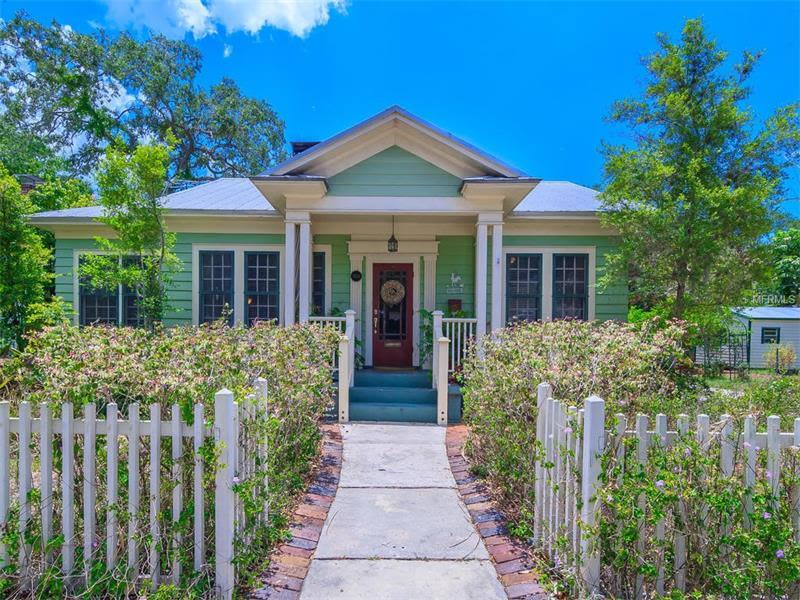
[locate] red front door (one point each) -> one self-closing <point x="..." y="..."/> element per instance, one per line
<point x="392" y="300"/>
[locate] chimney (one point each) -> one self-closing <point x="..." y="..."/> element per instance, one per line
<point x="298" y="147"/>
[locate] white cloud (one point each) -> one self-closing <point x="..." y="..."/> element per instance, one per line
<point x="175" y="18"/>
<point x="227" y="50"/>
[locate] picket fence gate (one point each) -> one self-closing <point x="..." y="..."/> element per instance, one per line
<point x="569" y="467"/>
<point x="239" y="453"/>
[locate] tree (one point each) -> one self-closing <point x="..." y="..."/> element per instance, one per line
<point x="23" y="262"/>
<point x="79" y="92"/>
<point x="140" y="257"/>
<point x="699" y="189"/>
<point x="785" y="247"/>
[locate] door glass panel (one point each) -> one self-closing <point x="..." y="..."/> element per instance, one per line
<point x="392" y="321"/>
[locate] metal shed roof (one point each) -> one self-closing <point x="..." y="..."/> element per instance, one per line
<point x="786" y="313"/>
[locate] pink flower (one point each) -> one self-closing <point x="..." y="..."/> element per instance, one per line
<point x="766" y="515"/>
<point x="236" y="480"/>
<point x="779" y="554"/>
<point x="660" y="484"/>
<point x="568" y="430"/>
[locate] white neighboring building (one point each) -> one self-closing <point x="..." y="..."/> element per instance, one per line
<point x="768" y="325"/>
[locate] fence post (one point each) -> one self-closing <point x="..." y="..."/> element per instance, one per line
<point x="543" y="392"/>
<point x="441" y="378"/>
<point x="436" y="334"/>
<point x="4" y="474"/>
<point x="344" y="379"/>
<point x="350" y="330"/>
<point x="593" y="444"/>
<point x="224" y="497"/>
<point x="262" y="393"/>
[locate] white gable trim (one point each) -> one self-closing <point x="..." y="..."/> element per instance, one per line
<point x="394" y="126"/>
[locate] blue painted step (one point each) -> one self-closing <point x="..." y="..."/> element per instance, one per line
<point x="379" y="378"/>
<point x="393" y="411"/>
<point x="392" y="395"/>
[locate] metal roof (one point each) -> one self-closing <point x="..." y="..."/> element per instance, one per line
<point x="226" y="195"/>
<point x="238" y="195"/>
<point x="559" y="196"/>
<point x="786" y="313"/>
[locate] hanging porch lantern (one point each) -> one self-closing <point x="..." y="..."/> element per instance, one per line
<point x="392" y="243"/>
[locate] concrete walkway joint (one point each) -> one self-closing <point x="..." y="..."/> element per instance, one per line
<point x="397" y="528"/>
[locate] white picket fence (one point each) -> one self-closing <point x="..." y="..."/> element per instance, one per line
<point x="568" y="471"/>
<point x="33" y="440"/>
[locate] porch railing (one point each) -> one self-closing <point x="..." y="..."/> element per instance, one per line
<point x="461" y="333"/>
<point x="339" y="323"/>
<point x="344" y="358"/>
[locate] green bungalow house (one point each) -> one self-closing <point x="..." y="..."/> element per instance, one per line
<point x="384" y="221"/>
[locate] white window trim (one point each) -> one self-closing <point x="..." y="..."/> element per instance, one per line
<point x="76" y="285"/>
<point x="547" y="253"/>
<point x="238" y="276"/>
<point x="326" y="248"/>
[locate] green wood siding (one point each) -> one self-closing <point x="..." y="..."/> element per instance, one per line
<point x="611" y="302"/>
<point x="180" y="288"/>
<point x="394" y="172"/>
<point x="340" y="270"/>
<point x="456" y="255"/>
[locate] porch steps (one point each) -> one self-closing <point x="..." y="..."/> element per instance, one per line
<point x="402" y="396"/>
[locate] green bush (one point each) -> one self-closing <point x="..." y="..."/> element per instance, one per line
<point x="182" y="366"/>
<point x="633" y="368"/>
<point x="731" y="552"/>
<point x="772" y="395"/>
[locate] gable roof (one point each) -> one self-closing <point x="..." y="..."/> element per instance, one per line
<point x="787" y="313"/>
<point x="392" y="117"/>
<point x="221" y="196"/>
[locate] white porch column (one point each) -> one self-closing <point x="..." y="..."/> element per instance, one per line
<point x="480" y="278"/>
<point x="497" y="276"/>
<point x="429" y="301"/>
<point x="289" y="275"/>
<point x="304" y="266"/>
<point x="355" y="293"/>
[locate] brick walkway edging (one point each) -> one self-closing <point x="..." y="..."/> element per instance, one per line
<point x="289" y="562"/>
<point x="511" y="559"/>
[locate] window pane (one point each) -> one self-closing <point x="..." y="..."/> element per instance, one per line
<point x="262" y="286"/>
<point x="770" y="335"/>
<point x="523" y="287"/>
<point x="97" y="306"/>
<point x="318" y="284"/>
<point x="570" y="286"/>
<point x="130" y="308"/>
<point x="216" y="285"/>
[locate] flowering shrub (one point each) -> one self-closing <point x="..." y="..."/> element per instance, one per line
<point x="762" y="397"/>
<point x="183" y="366"/>
<point x="739" y="542"/>
<point x="632" y="368"/>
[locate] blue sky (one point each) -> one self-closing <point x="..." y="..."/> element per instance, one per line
<point x="527" y="81"/>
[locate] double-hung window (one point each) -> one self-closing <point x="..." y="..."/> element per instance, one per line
<point x="118" y="306"/>
<point x="216" y="285"/>
<point x="262" y="286"/>
<point x="523" y="287"/>
<point x="318" y="283"/>
<point x="770" y="335"/>
<point x="571" y="286"/>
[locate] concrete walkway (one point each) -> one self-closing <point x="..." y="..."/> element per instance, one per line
<point x="397" y="528"/>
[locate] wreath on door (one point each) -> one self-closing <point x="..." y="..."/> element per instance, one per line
<point x="393" y="292"/>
